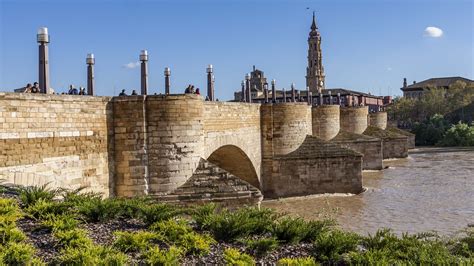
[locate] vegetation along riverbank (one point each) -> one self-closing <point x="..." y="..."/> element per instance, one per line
<point x="41" y="226"/>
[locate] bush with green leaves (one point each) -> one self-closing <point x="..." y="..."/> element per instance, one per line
<point x="9" y="211"/>
<point x="261" y="246"/>
<point x="43" y="208"/>
<point x="458" y="135"/>
<point x="179" y="233"/>
<point x="91" y="255"/>
<point x="60" y="222"/>
<point x="305" y="261"/>
<point x="233" y="256"/>
<point x="95" y="209"/>
<point x="157" y="256"/>
<point x="229" y="225"/>
<point x="331" y="245"/>
<point x="463" y="246"/>
<point x="151" y="213"/>
<point x="17" y="253"/>
<point x="10" y="233"/>
<point x="386" y="246"/>
<point x="294" y="230"/>
<point x="31" y="194"/>
<point x="134" y="241"/>
<point x="76" y="238"/>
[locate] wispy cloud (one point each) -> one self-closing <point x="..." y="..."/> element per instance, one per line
<point x="389" y="68"/>
<point x="131" y="65"/>
<point x="433" y="32"/>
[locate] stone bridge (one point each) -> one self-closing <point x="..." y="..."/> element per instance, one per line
<point x="179" y="147"/>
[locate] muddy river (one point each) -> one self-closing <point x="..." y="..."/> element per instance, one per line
<point x="431" y="190"/>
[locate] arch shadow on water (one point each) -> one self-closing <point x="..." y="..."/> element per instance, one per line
<point x="234" y="160"/>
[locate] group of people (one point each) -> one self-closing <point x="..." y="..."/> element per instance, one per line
<point x="32" y="89"/>
<point x="190" y="89"/>
<point x="123" y="93"/>
<point x="74" y="91"/>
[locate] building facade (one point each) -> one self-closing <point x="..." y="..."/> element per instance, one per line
<point x="417" y="89"/>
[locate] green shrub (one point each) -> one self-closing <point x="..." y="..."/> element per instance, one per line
<point x="464" y="246"/>
<point x="9" y="211"/>
<point x="458" y="135"/>
<point x="295" y="230"/>
<point x="430" y="131"/>
<point x="92" y="255"/>
<point x="413" y="249"/>
<point x="179" y="233"/>
<point x="289" y="230"/>
<point x="76" y="238"/>
<point x="31" y="194"/>
<point x="203" y="215"/>
<point x="152" y="213"/>
<point x="42" y="208"/>
<point x="306" y="261"/>
<point x="261" y="246"/>
<point x="230" y="225"/>
<point x="134" y="241"/>
<point x="317" y="227"/>
<point x="17" y="253"/>
<point x="76" y="196"/>
<point x="95" y="209"/>
<point x="156" y="256"/>
<point x="330" y="246"/>
<point x="132" y="208"/>
<point x="9" y="233"/>
<point x="232" y="256"/>
<point x="60" y="222"/>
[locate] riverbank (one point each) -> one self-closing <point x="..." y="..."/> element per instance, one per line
<point x="82" y="229"/>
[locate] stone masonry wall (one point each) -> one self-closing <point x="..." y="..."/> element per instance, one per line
<point x="63" y="140"/>
<point x="354" y="119"/>
<point x="326" y="121"/>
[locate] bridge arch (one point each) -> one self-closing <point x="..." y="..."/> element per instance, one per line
<point x="234" y="160"/>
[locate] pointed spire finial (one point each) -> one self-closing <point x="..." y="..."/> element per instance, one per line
<point x="313" y="26"/>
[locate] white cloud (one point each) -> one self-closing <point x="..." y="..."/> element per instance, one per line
<point x="389" y="68"/>
<point x="433" y="32"/>
<point x="131" y="65"/>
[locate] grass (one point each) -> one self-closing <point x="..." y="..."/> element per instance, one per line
<point x="171" y="233"/>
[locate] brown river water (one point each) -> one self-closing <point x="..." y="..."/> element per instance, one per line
<point x="431" y="190"/>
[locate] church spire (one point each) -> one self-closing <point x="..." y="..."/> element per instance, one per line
<point x="313" y="26"/>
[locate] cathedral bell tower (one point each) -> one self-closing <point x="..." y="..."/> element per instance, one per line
<point x="315" y="70"/>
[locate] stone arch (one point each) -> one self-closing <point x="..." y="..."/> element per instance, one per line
<point x="234" y="160"/>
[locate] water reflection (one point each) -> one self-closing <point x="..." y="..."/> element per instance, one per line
<point x="431" y="190"/>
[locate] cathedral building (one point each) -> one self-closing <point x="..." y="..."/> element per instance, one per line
<point x="315" y="84"/>
<point x="315" y="70"/>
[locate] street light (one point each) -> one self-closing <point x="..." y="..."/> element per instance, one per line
<point x="144" y="72"/>
<point x="90" y="61"/>
<point x="248" y="91"/>
<point x="273" y="91"/>
<point x="167" y="80"/>
<point x="210" y="83"/>
<point x="43" y="39"/>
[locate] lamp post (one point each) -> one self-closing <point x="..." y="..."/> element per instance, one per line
<point x="43" y="39"/>
<point x="90" y="61"/>
<point x="293" y="92"/>
<point x="310" y="98"/>
<point x="242" y="99"/>
<point x="247" y="88"/>
<point x="167" y="80"/>
<point x="210" y="83"/>
<point x="330" y="98"/>
<point x="339" y="98"/>
<point x="265" y="91"/>
<point x="321" y="100"/>
<point x="284" y="95"/>
<point x="273" y="91"/>
<point x="144" y="72"/>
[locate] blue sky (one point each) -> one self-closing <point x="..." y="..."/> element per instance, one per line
<point x="368" y="45"/>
